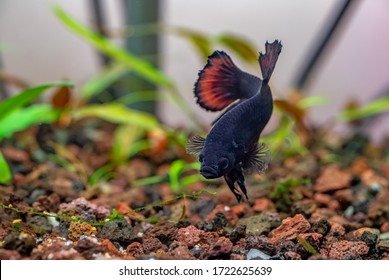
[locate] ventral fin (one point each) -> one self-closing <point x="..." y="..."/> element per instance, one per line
<point x="257" y="158"/>
<point x="195" y="145"/>
<point x="218" y="83"/>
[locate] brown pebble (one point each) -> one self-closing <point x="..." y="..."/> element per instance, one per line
<point x="289" y="228"/>
<point x="358" y="233"/>
<point x="346" y="250"/>
<point x="384" y="227"/>
<point x="189" y="235"/>
<point x="332" y="179"/>
<point x="262" y="204"/>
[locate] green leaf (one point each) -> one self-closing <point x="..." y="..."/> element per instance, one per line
<point x="149" y="180"/>
<point x="123" y="140"/>
<point x="103" y="80"/>
<point x="139" y="66"/>
<point x="175" y="171"/>
<point x="243" y="48"/>
<point x="5" y="172"/>
<point x="27" y="96"/>
<point x="104" y="173"/>
<point x="24" y="118"/>
<point x="117" y="113"/>
<point x="375" y="107"/>
<point x="312" y="101"/>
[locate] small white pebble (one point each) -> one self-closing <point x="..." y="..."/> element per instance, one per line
<point x="227" y="209"/>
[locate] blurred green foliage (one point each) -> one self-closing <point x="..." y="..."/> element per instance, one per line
<point x="16" y="115"/>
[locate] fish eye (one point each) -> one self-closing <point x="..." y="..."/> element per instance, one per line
<point x="224" y="163"/>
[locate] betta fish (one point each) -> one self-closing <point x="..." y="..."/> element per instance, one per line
<point x="231" y="147"/>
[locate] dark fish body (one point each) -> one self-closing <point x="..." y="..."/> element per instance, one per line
<point x="232" y="144"/>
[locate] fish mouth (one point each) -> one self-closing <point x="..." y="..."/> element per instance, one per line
<point x="209" y="172"/>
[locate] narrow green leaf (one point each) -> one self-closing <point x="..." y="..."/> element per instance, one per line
<point x="375" y="107"/>
<point x="103" y="80"/>
<point x="5" y="172"/>
<point x="140" y="96"/>
<point x="149" y="180"/>
<point x="139" y="66"/>
<point x="104" y="173"/>
<point x="243" y="48"/>
<point x="117" y="113"/>
<point x="27" y="96"/>
<point x="123" y="139"/>
<point x="312" y="101"/>
<point x="24" y="118"/>
<point x="174" y="174"/>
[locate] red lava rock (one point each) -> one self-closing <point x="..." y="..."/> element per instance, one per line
<point x="337" y="230"/>
<point x="345" y="195"/>
<point x="3" y="233"/>
<point x="78" y="229"/>
<point x="345" y="250"/>
<point x="56" y="248"/>
<point x="322" y="198"/>
<point x="290" y="255"/>
<point x="164" y="231"/>
<point x="385" y="256"/>
<point x="180" y="251"/>
<point x="209" y="237"/>
<point x="239" y="209"/>
<point x="9" y="254"/>
<point x="385" y="227"/>
<point x="134" y="249"/>
<point x="369" y="178"/>
<point x="80" y="207"/>
<point x="262" y="204"/>
<point x="189" y="235"/>
<point x="152" y="244"/>
<point x="237" y="257"/>
<point x="226" y="211"/>
<point x="124" y="209"/>
<point x="47" y="203"/>
<point x="111" y="249"/>
<point x="15" y="155"/>
<point x="289" y="228"/>
<point x="333" y="204"/>
<point x="222" y="246"/>
<point x="332" y="179"/>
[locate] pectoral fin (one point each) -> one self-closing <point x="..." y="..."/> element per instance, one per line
<point x="195" y="145"/>
<point x="257" y="158"/>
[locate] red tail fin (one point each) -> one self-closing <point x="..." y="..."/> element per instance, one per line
<point x="218" y="83"/>
<point x="268" y="60"/>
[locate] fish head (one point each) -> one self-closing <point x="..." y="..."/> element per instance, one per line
<point x="215" y="165"/>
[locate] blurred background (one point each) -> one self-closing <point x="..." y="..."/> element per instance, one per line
<point x="346" y="43"/>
